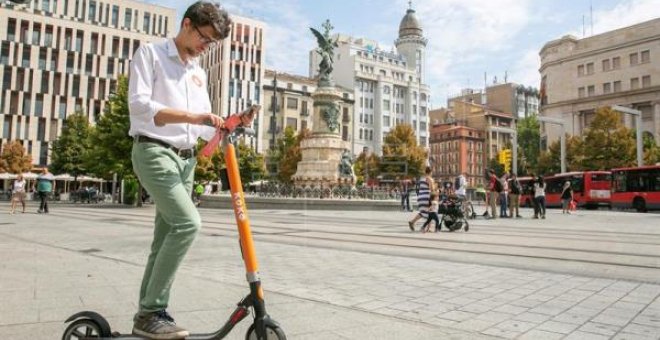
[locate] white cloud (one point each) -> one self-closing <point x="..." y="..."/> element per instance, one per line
<point x="526" y="70"/>
<point x="626" y="13"/>
<point x="462" y="34"/>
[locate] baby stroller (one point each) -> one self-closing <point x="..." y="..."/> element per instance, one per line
<point x="453" y="217"/>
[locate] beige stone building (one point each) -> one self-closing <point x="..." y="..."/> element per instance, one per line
<point x="288" y="102"/>
<point x="620" y="67"/>
<point x="235" y="70"/>
<point x="510" y="98"/>
<point x="61" y="57"/>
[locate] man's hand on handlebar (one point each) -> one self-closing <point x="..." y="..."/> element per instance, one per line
<point x="208" y="119"/>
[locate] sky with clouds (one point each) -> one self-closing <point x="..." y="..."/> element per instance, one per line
<point x="466" y="38"/>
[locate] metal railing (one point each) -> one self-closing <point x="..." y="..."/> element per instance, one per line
<point x="341" y="191"/>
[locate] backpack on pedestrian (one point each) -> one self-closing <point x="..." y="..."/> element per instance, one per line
<point x="515" y="187"/>
<point x="498" y="185"/>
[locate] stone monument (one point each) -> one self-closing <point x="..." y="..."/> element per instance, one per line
<point x="326" y="159"/>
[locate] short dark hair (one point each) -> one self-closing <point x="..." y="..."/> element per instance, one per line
<point x="206" y="13"/>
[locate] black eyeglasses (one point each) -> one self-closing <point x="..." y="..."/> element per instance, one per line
<point x="205" y="39"/>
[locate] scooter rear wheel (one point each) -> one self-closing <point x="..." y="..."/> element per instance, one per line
<point x="272" y="333"/>
<point x="84" y="329"/>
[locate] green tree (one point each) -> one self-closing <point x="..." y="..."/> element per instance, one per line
<point x="207" y="168"/>
<point x="549" y="161"/>
<point x="282" y="146"/>
<point x="366" y="165"/>
<point x="14" y="158"/>
<point x="72" y="147"/>
<point x="608" y="143"/>
<point x="400" y="145"/>
<point x="250" y="163"/>
<point x="651" y="149"/>
<point x="290" y="155"/>
<point x="111" y="144"/>
<point x="529" y="139"/>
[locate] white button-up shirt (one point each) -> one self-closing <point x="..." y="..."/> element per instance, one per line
<point x="159" y="79"/>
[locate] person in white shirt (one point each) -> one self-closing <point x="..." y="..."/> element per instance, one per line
<point x="462" y="186"/>
<point x="18" y="193"/>
<point x="539" y="196"/>
<point x="169" y="110"/>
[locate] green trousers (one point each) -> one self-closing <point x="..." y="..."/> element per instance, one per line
<point x="168" y="179"/>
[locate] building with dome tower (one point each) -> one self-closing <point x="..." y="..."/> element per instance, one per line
<point x="389" y="85"/>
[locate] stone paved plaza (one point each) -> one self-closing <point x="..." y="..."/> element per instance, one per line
<point x="346" y="275"/>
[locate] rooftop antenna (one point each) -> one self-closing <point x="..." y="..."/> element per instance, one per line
<point x="583" y="33"/>
<point x="591" y="13"/>
<point x="506" y="76"/>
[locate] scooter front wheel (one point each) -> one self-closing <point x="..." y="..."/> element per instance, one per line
<point x="83" y="329"/>
<point x="272" y="333"/>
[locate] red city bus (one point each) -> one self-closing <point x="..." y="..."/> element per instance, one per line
<point x="590" y="188"/>
<point x="637" y="188"/>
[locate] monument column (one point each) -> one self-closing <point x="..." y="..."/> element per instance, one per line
<point x="325" y="162"/>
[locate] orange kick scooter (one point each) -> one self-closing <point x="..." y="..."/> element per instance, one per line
<point x="91" y="325"/>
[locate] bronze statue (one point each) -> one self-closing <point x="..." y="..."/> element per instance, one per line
<point x="346" y="164"/>
<point x="326" y="51"/>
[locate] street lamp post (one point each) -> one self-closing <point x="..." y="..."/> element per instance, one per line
<point x="273" y="118"/>
<point x="638" y="123"/>
<point x="514" y="136"/>
<point x="562" y="139"/>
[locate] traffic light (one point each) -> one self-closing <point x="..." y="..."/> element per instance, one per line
<point x="507" y="156"/>
<point x="504" y="157"/>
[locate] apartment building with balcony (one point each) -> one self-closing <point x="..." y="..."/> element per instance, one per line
<point x="62" y="57"/>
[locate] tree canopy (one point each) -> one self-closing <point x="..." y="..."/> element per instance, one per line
<point x="529" y="139"/>
<point x="288" y="153"/>
<point x="607" y="142"/>
<point x="14" y="158"/>
<point x="400" y="145"/>
<point x="111" y="145"/>
<point x="71" y="148"/>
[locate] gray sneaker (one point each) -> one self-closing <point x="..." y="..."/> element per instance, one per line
<point x="157" y="325"/>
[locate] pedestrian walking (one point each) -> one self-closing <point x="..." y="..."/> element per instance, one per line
<point x="199" y="190"/>
<point x="45" y="185"/>
<point x="566" y="198"/>
<point x="539" y="196"/>
<point x="531" y="191"/>
<point x="494" y="189"/>
<point x="425" y="186"/>
<point x="514" y="196"/>
<point x="504" y="194"/>
<point x="432" y="214"/>
<point x="405" y="188"/>
<point x="170" y="109"/>
<point x="18" y="193"/>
